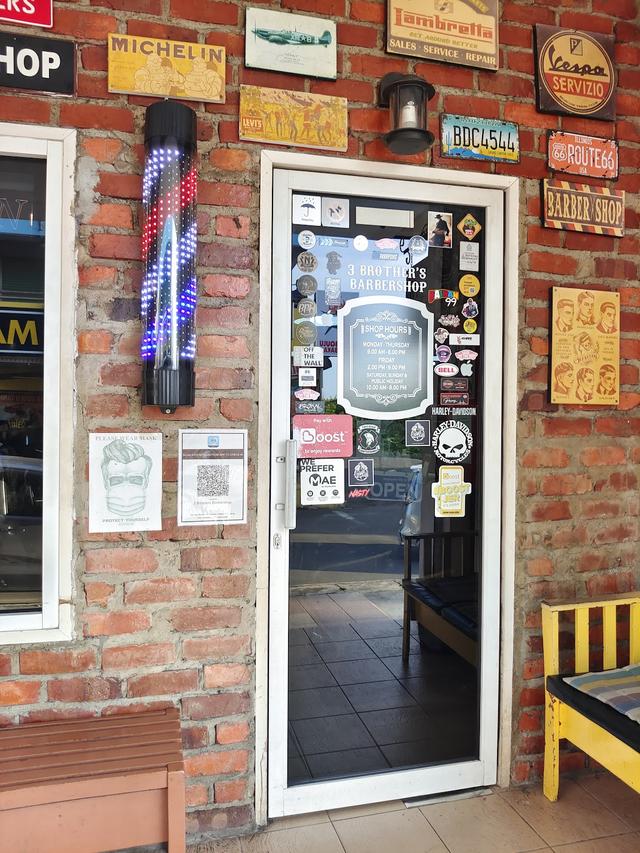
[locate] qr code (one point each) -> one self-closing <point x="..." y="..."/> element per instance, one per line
<point x="212" y="481"/>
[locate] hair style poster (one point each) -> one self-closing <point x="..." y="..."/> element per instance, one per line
<point x="125" y="482"/>
<point x="585" y="351"/>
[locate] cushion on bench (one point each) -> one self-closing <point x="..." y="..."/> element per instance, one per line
<point x="612" y="721"/>
<point x="454" y="599"/>
<point x="619" y="688"/>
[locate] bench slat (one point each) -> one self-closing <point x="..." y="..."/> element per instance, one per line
<point x="87" y="770"/>
<point x="29" y="742"/>
<point x="55" y="727"/>
<point x="609" y="652"/>
<point x="39" y="754"/>
<point x="582" y="640"/>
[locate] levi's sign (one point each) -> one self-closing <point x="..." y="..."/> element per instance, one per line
<point x="583" y="155"/>
<point x="41" y="64"/>
<point x="37" y="13"/>
<point x="581" y="207"/>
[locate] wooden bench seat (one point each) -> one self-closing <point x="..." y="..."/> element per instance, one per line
<point x="88" y="786"/>
<point x="600" y="731"/>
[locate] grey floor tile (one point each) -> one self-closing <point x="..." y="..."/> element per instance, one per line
<point x="306" y="677"/>
<point x="298" y="637"/>
<point x="417" y="665"/>
<point x="374" y="628"/>
<point x="441" y="694"/>
<point x="318" y="702"/>
<point x="348" y="650"/>
<point x="358" y="671"/>
<point x="397" y="725"/>
<point x="386" y="647"/>
<point x="430" y="751"/>
<point x="297" y="771"/>
<point x="334" y="634"/>
<point x="330" y="734"/>
<point x="303" y="655"/>
<point x="331" y="765"/>
<point x="377" y="695"/>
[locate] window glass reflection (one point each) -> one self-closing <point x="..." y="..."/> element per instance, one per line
<point x="22" y="229"/>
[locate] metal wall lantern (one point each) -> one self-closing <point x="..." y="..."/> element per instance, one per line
<point x="406" y="95"/>
<point x="168" y="300"/>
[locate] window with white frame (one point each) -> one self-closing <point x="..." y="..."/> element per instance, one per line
<point x="36" y="351"/>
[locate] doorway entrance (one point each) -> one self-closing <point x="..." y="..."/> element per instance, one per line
<point x="385" y="501"/>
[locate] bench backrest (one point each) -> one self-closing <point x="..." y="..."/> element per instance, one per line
<point x="581" y="610"/>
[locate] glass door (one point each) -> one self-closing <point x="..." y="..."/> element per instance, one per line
<point x="385" y="540"/>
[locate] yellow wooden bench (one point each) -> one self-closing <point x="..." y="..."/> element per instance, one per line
<point x="83" y="786"/>
<point x="564" y="721"/>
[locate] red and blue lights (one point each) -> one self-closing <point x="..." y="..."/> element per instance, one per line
<point x="169" y="240"/>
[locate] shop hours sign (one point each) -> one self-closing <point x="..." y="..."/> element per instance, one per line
<point x="385" y="363"/>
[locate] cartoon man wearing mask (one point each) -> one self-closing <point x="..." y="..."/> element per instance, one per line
<point x="125" y="472"/>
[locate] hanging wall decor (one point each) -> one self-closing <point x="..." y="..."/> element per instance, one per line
<point x="585" y="346"/>
<point x="293" y="44"/>
<point x="139" y="65"/>
<point x="464" y="32"/>
<point x="575" y="72"/>
<point x="168" y="300"/>
<point x="582" y="207"/>
<point x="293" y="118"/>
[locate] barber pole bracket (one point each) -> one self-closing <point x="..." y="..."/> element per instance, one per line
<point x="583" y="208"/>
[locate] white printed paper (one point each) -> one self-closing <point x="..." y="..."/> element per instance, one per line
<point x="470" y="256"/>
<point x="125" y="481"/>
<point x="212" y="476"/>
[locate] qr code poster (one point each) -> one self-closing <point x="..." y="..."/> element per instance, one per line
<point x="125" y="482"/>
<point x="212" y="476"/>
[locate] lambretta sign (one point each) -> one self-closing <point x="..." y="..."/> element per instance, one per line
<point x="36" y="13"/>
<point x="41" y="64"/>
<point x="320" y="436"/>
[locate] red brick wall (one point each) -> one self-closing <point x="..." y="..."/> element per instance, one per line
<point x="168" y="617"/>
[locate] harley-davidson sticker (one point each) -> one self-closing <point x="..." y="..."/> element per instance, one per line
<point x="452" y="441"/>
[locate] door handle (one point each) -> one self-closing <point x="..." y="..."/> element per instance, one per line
<point x="291" y="456"/>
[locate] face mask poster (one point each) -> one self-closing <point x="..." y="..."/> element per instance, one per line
<point x="125" y="482"/>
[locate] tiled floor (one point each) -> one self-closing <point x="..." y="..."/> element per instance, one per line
<point x="354" y="706"/>
<point x="596" y="814"/>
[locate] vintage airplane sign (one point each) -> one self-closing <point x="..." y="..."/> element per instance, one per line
<point x="294" y="44"/>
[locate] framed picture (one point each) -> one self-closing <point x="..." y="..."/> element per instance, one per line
<point x="585" y="346"/>
<point x="293" y="44"/>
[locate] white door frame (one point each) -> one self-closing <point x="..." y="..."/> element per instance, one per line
<point x="509" y="186"/>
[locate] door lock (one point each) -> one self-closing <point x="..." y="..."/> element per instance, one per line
<point x="277" y="541"/>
